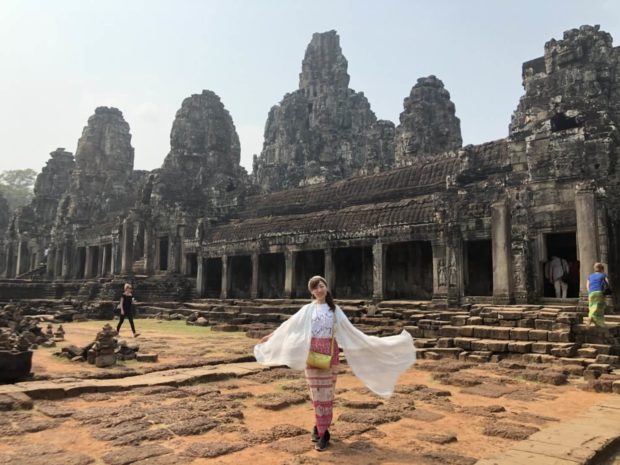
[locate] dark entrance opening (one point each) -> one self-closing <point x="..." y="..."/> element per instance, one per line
<point x="409" y="270"/>
<point x="240" y="276"/>
<point x="163" y="253"/>
<point x="271" y="271"/>
<point x="107" y="259"/>
<point x="561" y="122"/>
<point x="81" y="262"/>
<point x="478" y="268"/>
<point x="353" y="270"/>
<point x="94" y="262"/>
<point x="213" y="273"/>
<point x="308" y="263"/>
<point x="191" y="264"/>
<point x="562" y="245"/>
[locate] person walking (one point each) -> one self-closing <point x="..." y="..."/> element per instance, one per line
<point x="556" y="271"/>
<point x="597" y="284"/>
<point x="319" y="329"/>
<point x="126" y="309"/>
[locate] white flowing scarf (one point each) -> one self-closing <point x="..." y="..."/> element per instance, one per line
<point x="377" y="362"/>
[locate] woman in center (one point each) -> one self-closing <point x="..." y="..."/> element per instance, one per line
<point x="321" y="327"/>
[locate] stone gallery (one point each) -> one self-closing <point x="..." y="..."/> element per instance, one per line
<point x="383" y="211"/>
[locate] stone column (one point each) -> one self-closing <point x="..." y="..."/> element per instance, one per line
<point x="100" y="265"/>
<point x="587" y="234"/>
<point x="454" y="266"/>
<point x="181" y="258"/>
<point x="330" y="270"/>
<point x="88" y="262"/>
<point x="58" y="262"/>
<point x="225" y="278"/>
<point x="200" y="276"/>
<point x="149" y="250"/>
<point x="127" y="252"/>
<point x="502" y="255"/>
<point x="105" y="260"/>
<point x="51" y="258"/>
<point x="254" y="288"/>
<point x="9" y="264"/>
<point x="440" y="272"/>
<point x="67" y="255"/>
<point x="23" y="258"/>
<point x="289" y="273"/>
<point x="378" y="269"/>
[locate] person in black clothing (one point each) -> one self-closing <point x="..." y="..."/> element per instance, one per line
<point x="126" y="309"/>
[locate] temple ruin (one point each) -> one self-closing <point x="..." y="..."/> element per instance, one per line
<point x="384" y="211"/>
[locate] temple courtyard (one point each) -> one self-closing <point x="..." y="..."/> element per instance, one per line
<point x="205" y="401"/>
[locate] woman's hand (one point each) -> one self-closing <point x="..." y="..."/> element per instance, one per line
<point x="265" y="338"/>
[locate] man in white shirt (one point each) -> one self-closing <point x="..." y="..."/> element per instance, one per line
<point x="555" y="270"/>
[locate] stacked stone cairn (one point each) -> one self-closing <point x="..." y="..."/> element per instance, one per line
<point x="24" y="328"/>
<point x="102" y="352"/>
<point x="59" y="334"/>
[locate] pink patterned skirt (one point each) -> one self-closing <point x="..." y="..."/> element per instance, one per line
<point x="322" y="384"/>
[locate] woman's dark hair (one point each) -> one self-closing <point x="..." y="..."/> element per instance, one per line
<point x="314" y="282"/>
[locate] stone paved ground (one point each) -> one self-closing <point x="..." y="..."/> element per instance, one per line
<point x="248" y="415"/>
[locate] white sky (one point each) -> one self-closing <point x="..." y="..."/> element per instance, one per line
<point x="60" y="59"/>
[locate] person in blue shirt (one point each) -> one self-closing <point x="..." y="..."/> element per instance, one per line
<point x="596" y="285"/>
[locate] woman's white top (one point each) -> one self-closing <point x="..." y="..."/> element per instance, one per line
<point x="377" y="362"/>
<point x="322" y="321"/>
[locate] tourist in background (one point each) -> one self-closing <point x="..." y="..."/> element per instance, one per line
<point x="597" y="285"/>
<point x="557" y="271"/>
<point x="126" y="309"/>
<point x="320" y="327"/>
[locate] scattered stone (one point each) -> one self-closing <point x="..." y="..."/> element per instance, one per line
<point x="482" y="410"/>
<point x="437" y="438"/>
<point x="194" y="426"/>
<point x="53" y="410"/>
<point x="127" y="455"/>
<point x="274" y="433"/>
<point x="509" y="430"/>
<point x="212" y="449"/>
<point x="361" y="404"/>
<point x="280" y="401"/>
<point x="424" y="415"/>
<point x="147" y="358"/>
<point x="369" y="418"/>
<point x="489" y="390"/>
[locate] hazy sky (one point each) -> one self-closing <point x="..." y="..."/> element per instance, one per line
<point x="60" y="59"/>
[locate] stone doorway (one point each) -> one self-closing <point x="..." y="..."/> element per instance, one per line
<point x="409" y="270"/>
<point x="94" y="263"/>
<point x="308" y="263"/>
<point x="81" y="262"/>
<point x="162" y="253"/>
<point x="271" y="272"/>
<point x="213" y="273"/>
<point x="191" y="264"/>
<point x="562" y="245"/>
<point x="478" y="268"/>
<point x="353" y="270"/>
<point x="240" y="276"/>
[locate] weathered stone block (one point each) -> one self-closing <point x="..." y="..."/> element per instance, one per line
<point x="542" y="347"/>
<point x="445" y="342"/>
<point x="543" y="324"/>
<point x="464" y="342"/>
<point x="449" y="331"/>
<point x="520" y="347"/>
<point x="466" y="331"/>
<point x="499" y="333"/>
<point x="520" y="334"/>
<point x="559" y="336"/>
<point x="538" y="335"/>
<point x="564" y="350"/>
<point x="608" y="359"/>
